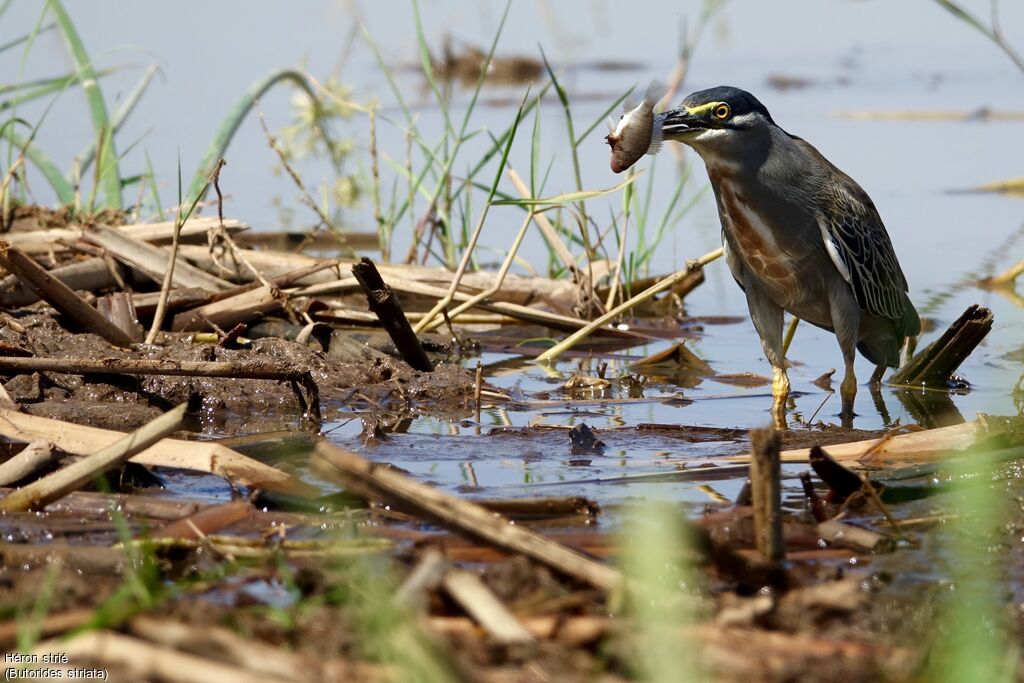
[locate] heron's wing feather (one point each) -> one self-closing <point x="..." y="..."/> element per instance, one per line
<point x="858" y="244"/>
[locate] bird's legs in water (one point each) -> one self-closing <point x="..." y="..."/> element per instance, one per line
<point x="767" y="319"/>
<point x="846" y="323"/>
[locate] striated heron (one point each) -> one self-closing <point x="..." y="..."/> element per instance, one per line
<point x="799" y="235"/>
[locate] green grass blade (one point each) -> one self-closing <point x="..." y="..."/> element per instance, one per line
<point x="568" y="197"/>
<point x="89" y="80"/>
<point x="215" y="150"/>
<point x="54" y="176"/>
<point x="21" y="39"/>
<point x="428" y="68"/>
<point x="88" y="155"/>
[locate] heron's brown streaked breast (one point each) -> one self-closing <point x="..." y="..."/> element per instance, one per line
<point x="759" y="251"/>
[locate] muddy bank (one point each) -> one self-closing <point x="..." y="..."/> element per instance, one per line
<point x="356" y="376"/>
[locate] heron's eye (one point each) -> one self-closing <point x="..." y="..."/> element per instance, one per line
<point x="721" y="111"/>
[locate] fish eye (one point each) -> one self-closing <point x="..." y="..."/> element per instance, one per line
<point x="721" y="111"/>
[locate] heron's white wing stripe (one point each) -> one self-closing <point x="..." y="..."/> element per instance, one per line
<point x="833" y="251"/>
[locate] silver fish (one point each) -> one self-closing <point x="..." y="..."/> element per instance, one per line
<point x="636" y="134"/>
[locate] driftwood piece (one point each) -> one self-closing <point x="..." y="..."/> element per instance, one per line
<point x="119" y="308"/>
<point x="60" y="296"/>
<point x="916" y="446"/>
<point x="33" y="458"/>
<point x="57" y="239"/>
<point x="384" y="302"/>
<point x="189" y="455"/>
<point x="465" y="517"/>
<point x="766" y="493"/>
<point x="243" y="308"/>
<point x="486" y="609"/>
<point x="937" y="362"/>
<point x="65" y="480"/>
<point x="152" y="261"/>
<point x="91" y="275"/>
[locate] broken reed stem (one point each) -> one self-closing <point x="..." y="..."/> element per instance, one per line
<point x="62" y="482"/>
<point x="465" y="517"/>
<point x="384" y="302"/>
<point x="31" y="459"/>
<point x="486" y="609"/>
<point x="478" y="388"/>
<point x="1007" y="277"/>
<point x="766" y="491"/>
<point x="575" y="338"/>
<point x="165" y="286"/>
<point x="60" y="296"/>
<point x="551" y="235"/>
<point x="499" y="279"/>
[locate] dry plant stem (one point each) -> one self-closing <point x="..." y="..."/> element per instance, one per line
<point x="616" y="274"/>
<point x="211" y="458"/>
<point x="927" y="444"/>
<point x="57" y="239"/>
<point x="383" y="301"/>
<point x="225" y="313"/>
<point x="486" y="609"/>
<point x="766" y="492"/>
<point x="146" y="661"/>
<point x="131" y="366"/>
<point x="42" y="491"/>
<point x="60" y="296"/>
<point x="425" y="577"/>
<point x="535" y="315"/>
<point x="152" y="261"/>
<point x="33" y="458"/>
<point x="165" y="287"/>
<point x="467" y="518"/>
<point x="325" y="220"/>
<point x="1007" y="277"/>
<point x="551" y="235"/>
<point x="575" y="338"/>
<point x="499" y="279"/>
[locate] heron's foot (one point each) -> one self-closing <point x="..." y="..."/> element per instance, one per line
<point x="876" y="377"/>
<point x="779" y="413"/>
<point x="848" y="392"/>
<point x="780" y="385"/>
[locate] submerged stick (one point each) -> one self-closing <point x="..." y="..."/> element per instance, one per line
<point x="573" y="339"/>
<point x="60" y="296"/>
<point x="766" y="491"/>
<point x="466" y="518"/>
<point x="384" y="302"/>
<point x="48" y="489"/>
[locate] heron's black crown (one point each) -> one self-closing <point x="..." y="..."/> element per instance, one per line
<point x="740" y="101"/>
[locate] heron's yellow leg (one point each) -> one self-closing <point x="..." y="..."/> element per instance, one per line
<point x="848" y="392"/>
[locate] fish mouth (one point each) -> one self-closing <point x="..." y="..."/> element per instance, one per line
<point x="680" y="123"/>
